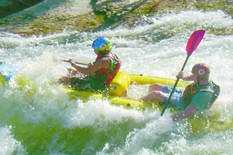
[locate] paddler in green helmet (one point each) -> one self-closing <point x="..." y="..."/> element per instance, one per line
<point x="196" y="97"/>
<point x="99" y="74"/>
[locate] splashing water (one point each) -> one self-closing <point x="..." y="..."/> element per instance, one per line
<point x="38" y="118"/>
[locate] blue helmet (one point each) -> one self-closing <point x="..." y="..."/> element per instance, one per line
<point x="102" y="44"/>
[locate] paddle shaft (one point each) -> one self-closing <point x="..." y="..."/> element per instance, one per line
<point x="174" y="87"/>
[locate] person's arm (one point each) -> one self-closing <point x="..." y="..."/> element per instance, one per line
<point x="185" y="77"/>
<point x="185" y="113"/>
<point x="103" y="63"/>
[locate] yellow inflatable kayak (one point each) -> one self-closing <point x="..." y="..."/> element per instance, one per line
<point x="120" y="84"/>
<point x="2" y="80"/>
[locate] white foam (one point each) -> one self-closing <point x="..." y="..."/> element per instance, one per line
<point x="9" y="145"/>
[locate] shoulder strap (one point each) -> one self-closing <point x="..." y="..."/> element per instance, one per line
<point x="216" y="89"/>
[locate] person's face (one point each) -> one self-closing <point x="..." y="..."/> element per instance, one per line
<point x="96" y="51"/>
<point x="195" y="78"/>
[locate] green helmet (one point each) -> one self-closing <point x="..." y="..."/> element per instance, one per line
<point x="202" y="71"/>
<point x="102" y="44"/>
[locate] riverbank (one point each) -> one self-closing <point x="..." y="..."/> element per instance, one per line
<point x="52" y="16"/>
<point x="8" y="7"/>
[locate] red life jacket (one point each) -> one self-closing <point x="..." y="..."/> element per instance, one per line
<point x="107" y="75"/>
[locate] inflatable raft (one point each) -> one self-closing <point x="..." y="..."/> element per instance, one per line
<point x="120" y="84"/>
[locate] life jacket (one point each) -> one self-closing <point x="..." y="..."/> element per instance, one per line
<point x="192" y="89"/>
<point x="107" y="75"/>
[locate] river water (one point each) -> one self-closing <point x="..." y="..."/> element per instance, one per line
<point x="38" y="118"/>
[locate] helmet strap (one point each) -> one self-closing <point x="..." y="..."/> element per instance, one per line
<point x="103" y="53"/>
<point x="198" y="80"/>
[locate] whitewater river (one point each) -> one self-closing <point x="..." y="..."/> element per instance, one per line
<point x="38" y="118"/>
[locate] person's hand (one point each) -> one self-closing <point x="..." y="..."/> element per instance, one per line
<point x="72" y="71"/>
<point x="90" y="64"/>
<point x="68" y="60"/>
<point x="180" y="75"/>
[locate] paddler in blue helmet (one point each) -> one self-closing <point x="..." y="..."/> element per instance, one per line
<point x="196" y="97"/>
<point x="100" y="73"/>
<point x="6" y="72"/>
